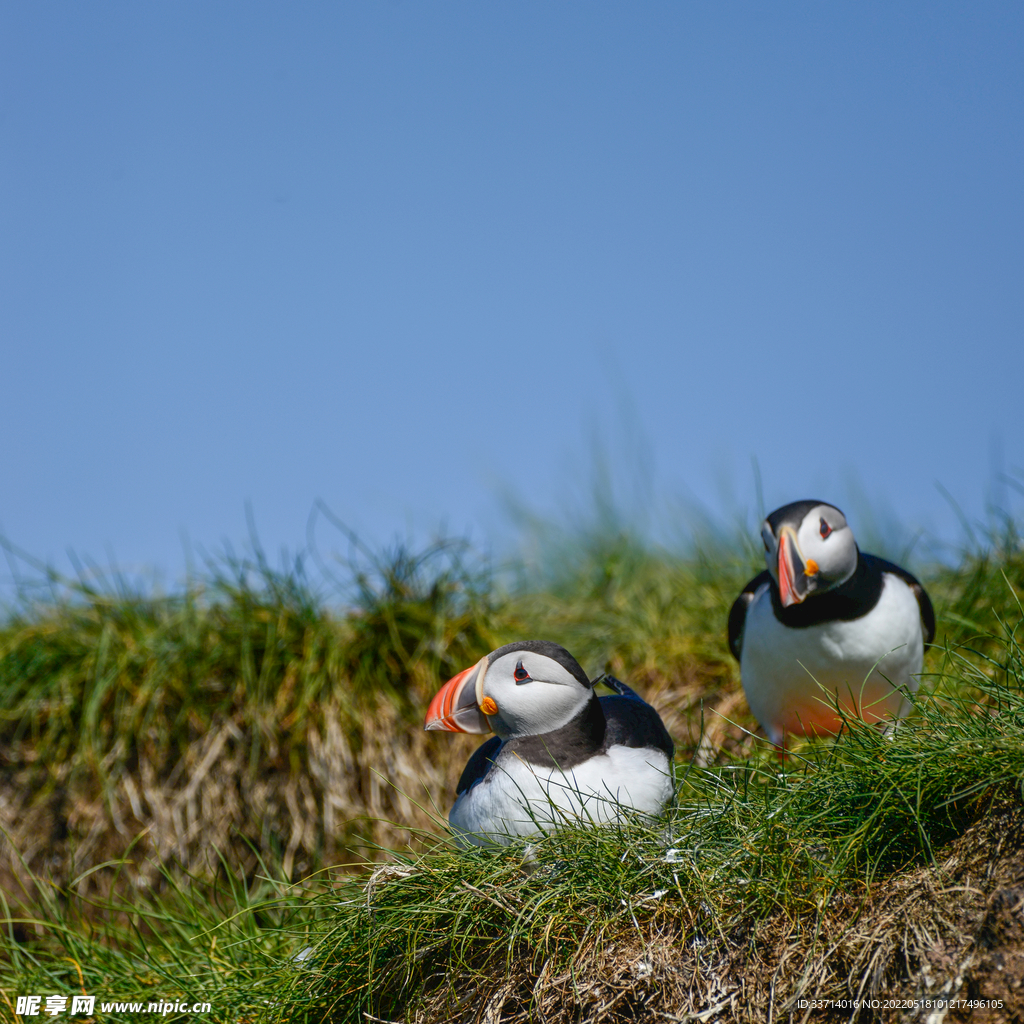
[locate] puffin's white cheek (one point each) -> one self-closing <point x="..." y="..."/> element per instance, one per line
<point x="539" y="707"/>
<point x="836" y="556"/>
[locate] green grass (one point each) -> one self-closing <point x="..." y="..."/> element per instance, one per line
<point x="101" y="670"/>
<point x="103" y="685"/>
<point x="746" y="841"/>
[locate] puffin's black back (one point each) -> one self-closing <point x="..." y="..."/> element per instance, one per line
<point x="478" y="765"/>
<point x="634" y="723"/>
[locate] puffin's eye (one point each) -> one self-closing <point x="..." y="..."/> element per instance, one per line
<point x="521" y="675"/>
<point x="825" y="529"/>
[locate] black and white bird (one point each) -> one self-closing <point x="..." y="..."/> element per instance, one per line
<point x="826" y="624"/>
<point x="561" y="753"/>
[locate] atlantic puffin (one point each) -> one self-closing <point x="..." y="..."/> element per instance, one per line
<point x="826" y="623"/>
<point x="560" y="753"/>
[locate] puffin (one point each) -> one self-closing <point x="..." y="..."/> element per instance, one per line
<point x="827" y="624"/>
<point x="560" y="753"/>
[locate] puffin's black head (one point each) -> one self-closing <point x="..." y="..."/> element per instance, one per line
<point x="809" y="549"/>
<point x="522" y="689"/>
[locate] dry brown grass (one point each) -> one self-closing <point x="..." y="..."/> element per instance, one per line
<point x="348" y="795"/>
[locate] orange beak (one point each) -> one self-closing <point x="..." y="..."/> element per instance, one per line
<point x="456" y="706"/>
<point x="794" y="575"/>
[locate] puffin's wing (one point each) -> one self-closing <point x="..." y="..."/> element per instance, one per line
<point x="478" y="765"/>
<point x="632" y="722"/>
<point x="738" y="611"/>
<point x="923" y="600"/>
<point x="618" y="686"/>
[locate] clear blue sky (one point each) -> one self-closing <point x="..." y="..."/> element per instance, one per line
<point x="413" y="258"/>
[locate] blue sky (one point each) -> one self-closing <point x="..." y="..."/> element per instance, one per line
<point x="423" y="260"/>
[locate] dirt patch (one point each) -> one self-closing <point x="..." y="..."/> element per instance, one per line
<point x="997" y="974"/>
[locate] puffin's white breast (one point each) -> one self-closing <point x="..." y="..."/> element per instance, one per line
<point x="517" y="798"/>
<point x="788" y="672"/>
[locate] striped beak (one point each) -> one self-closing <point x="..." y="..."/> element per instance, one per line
<point x="456" y="706"/>
<point x="796" y="577"/>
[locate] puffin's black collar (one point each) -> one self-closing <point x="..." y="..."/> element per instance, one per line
<point x="575" y="742"/>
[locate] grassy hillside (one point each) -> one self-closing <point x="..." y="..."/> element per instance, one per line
<point x="171" y="765"/>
